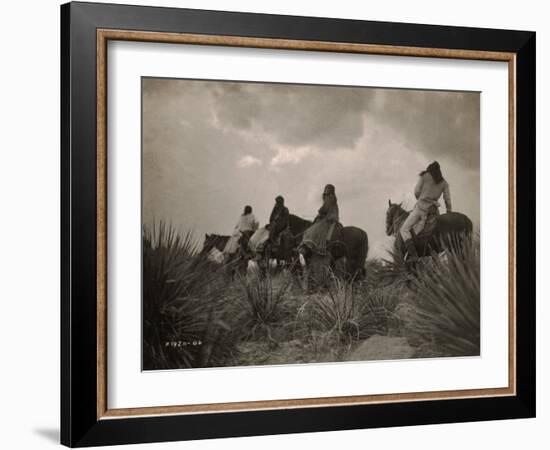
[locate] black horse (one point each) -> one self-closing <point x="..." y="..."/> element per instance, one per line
<point x="265" y="249"/>
<point x="447" y="230"/>
<point x="289" y="240"/>
<point x="213" y="241"/>
<point x="351" y="243"/>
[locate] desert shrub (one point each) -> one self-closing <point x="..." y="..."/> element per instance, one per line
<point x="351" y="310"/>
<point x="447" y="301"/>
<point x="376" y="312"/>
<point x="261" y="304"/>
<point x="332" y="310"/>
<point x="182" y="293"/>
<point x="393" y="272"/>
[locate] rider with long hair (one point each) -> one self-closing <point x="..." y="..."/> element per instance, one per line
<point x="278" y="220"/>
<point x="247" y="223"/>
<point x="318" y="234"/>
<point x="429" y="188"/>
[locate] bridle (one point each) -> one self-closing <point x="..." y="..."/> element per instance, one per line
<point x="396" y="218"/>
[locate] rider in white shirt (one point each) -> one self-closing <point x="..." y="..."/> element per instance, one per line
<point x="429" y="188"/>
<point x="246" y="222"/>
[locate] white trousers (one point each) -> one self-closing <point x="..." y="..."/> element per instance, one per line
<point x="415" y="217"/>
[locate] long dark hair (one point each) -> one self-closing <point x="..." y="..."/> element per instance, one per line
<point x="435" y="171"/>
<point x="329" y="190"/>
<point x="247" y="210"/>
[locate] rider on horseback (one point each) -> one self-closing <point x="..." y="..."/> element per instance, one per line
<point x="317" y="236"/>
<point x="246" y="225"/>
<point x="278" y="220"/>
<point x="429" y="188"/>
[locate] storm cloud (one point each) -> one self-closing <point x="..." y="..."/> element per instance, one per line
<point x="210" y="147"/>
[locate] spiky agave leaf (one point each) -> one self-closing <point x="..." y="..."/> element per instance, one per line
<point x="181" y="292"/>
<point x="448" y="301"/>
<point x="392" y="271"/>
<point x="376" y="314"/>
<point x="261" y="303"/>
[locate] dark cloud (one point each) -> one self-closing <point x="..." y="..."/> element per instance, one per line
<point x="435" y="123"/>
<point x="327" y="117"/>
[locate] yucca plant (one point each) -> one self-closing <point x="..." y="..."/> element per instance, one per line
<point x="333" y="310"/>
<point x="181" y="293"/>
<point x="447" y="300"/>
<point x="392" y="271"/>
<point x="376" y="313"/>
<point x="261" y="304"/>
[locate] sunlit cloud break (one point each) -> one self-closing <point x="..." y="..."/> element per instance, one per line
<point x="287" y="155"/>
<point x="249" y="161"/>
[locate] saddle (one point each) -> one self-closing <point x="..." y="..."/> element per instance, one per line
<point x="257" y="241"/>
<point x="320" y="238"/>
<point x="426" y="227"/>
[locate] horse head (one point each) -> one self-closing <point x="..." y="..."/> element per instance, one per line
<point x="297" y="225"/>
<point x="213" y="241"/>
<point x="208" y="244"/>
<point x="394" y="210"/>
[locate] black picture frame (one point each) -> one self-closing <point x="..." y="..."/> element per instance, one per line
<point x="80" y="425"/>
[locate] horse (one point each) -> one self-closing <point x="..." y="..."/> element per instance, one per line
<point x="289" y="240"/>
<point x="447" y="228"/>
<point x="351" y="243"/>
<point x="236" y="262"/>
<point x="213" y="242"/>
<point x="263" y="249"/>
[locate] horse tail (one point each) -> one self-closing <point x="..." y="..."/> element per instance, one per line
<point x="468" y="230"/>
<point x="356" y="265"/>
<point x="468" y="226"/>
<point x="363" y="256"/>
<point x="461" y="234"/>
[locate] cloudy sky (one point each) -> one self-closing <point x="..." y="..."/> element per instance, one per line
<point x="211" y="147"/>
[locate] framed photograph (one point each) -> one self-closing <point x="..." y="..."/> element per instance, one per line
<point x="277" y="224"/>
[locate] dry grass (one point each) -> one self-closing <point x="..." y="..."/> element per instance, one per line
<point x="261" y="305"/>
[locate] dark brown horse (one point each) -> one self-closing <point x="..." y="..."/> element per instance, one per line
<point x="445" y="231"/>
<point x="289" y="240"/>
<point x="282" y="252"/>
<point x="351" y="243"/>
<point x="213" y="241"/>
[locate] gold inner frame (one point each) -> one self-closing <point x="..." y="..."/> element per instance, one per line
<point x="103" y="36"/>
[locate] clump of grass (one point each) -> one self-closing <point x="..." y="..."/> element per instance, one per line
<point x="388" y="272"/>
<point x="261" y="305"/>
<point x="334" y="320"/>
<point x="376" y="314"/>
<point x="333" y="310"/>
<point x="447" y="298"/>
<point x="181" y="296"/>
<point x="351" y="311"/>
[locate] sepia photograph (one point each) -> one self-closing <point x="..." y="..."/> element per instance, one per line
<point x="300" y="224"/>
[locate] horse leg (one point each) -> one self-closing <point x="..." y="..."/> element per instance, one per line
<point x="228" y="268"/>
<point x="350" y="267"/>
<point x="241" y="268"/>
<point x="321" y="270"/>
<point x="264" y="264"/>
<point x="234" y="269"/>
<point x="305" y="272"/>
<point x="355" y="260"/>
